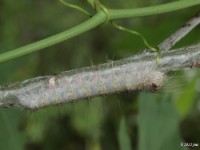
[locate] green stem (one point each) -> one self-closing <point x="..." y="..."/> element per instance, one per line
<point x="98" y="19"/>
<point x="152" y="10"/>
<point x="95" y="21"/>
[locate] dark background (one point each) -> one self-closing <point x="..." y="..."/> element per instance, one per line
<point x="139" y="120"/>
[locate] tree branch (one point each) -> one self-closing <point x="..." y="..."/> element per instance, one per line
<point x="180" y="33"/>
<point x="134" y="73"/>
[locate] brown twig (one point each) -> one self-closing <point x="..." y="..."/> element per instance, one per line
<point x="180" y="33"/>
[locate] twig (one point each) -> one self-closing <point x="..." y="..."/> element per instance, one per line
<point x="180" y="33"/>
<point x="134" y="73"/>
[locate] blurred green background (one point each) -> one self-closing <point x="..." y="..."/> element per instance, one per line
<point x="134" y="120"/>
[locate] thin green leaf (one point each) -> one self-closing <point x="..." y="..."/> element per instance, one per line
<point x="186" y="100"/>
<point x="123" y="137"/>
<point x="158" y="124"/>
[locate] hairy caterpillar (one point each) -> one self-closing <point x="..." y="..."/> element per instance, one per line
<point x="86" y="84"/>
<point x="134" y="73"/>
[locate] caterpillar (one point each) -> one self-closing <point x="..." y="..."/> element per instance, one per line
<point x="86" y="84"/>
<point x="134" y="73"/>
